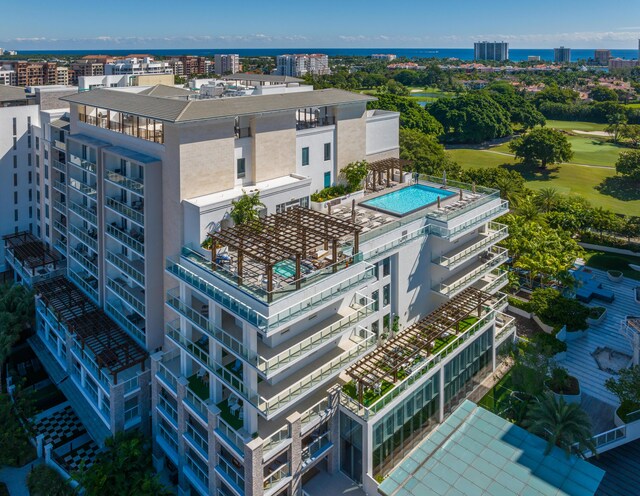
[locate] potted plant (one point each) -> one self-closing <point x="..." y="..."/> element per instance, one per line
<point x="563" y="385"/>
<point x="627" y="388"/>
<point x="615" y="275"/>
<point x="596" y="315"/>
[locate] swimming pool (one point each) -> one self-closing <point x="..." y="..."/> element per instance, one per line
<point x="407" y="200"/>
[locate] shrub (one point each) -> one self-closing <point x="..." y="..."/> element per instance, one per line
<point x="45" y="481"/>
<point x="547" y="344"/>
<point x="560" y="382"/>
<point x="354" y="173"/>
<point x="556" y="310"/>
<point x="596" y="312"/>
<point x="518" y="303"/>
<point x="329" y="193"/>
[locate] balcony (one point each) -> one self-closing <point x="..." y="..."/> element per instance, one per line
<point x="486" y="263"/>
<point x="60" y="227"/>
<point x="86" y="212"/>
<point x="88" y="237"/>
<point x="134" y="296"/>
<point x="60" y="186"/>
<point x="129" y="321"/>
<point x="466" y="251"/>
<point x="85" y="189"/>
<point x="86" y="281"/>
<point x="133" y="212"/>
<point x="60" y="145"/>
<point x="133" y="238"/>
<point x="505" y="325"/>
<point x="316" y="449"/>
<point x="87" y="261"/>
<point x="473" y="223"/>
<point x="61" y="246"/>
<point x="59" y="166"/>
<point x="132" y="268"/>
<point x="276" y="478"/>
<point x="83" y="164"/>
<point x="230" y="474"/>
<point x="60" y="206"/>
<point x="133" y="185"/>
<point x="493" y="281"/>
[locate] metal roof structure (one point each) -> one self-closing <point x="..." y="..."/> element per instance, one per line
<point x="181" y="110"/>
<point x="12" y="94"/>
<point x="29" y="250"/>
<point x="476" y="452"/>
<point x="416" y="342"/>
<point x="164" y="91"/>
<point x="111" y="347"/>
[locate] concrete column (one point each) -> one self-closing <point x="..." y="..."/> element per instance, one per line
<point x="48" y="449"/>
<point x="295" y="452"/>
<point x="69" y="345"/>
<point x="253" y="468"/>
<point x="116" y="395"/>
<point x="40" y="445"/>
<point x="493" y="347"/>
<point x="213" y="414"/>
<point x="182" y="391"/>
<point x="155" y="390"/>
<point x="441" y="402"/>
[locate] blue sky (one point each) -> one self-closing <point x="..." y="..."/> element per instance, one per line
<point x="73" y="24"/>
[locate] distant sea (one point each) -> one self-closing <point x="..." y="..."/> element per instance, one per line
<point x="516" y="54"/>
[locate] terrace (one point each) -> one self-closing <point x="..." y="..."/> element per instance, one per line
<point x="108" y="346"/>
<point x="30" y="257"/>
<point x="410" y="352"/>
<point x="281" y="253"/>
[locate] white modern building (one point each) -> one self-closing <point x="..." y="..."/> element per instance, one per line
<point x="384" y="56"/>
<point x="136" y="65"/>
<point x="322" y="338"/>
<point x="299" y="64"/>
<point x="491" y="50"/>
<point x="226" y="63"/>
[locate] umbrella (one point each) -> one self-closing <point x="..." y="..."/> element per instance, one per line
<point x="444" y="177"/>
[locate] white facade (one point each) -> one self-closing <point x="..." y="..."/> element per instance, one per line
<point x="86" y="83"/>
<point x="226" y="63"/>
<point x="137" y="66"/>
<point x="299" y="64"/>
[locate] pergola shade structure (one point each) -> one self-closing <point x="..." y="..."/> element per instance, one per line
<point x="112" y="348"/>
<point x="415" y="343"/>
<point x="299" y="238"/>
<point x="381" y="171"/>
<point x="29" y="251"/>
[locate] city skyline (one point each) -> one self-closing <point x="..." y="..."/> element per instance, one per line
<point x="355" y="27"/>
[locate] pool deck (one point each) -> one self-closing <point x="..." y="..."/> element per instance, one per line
<point x="607" y="333"/>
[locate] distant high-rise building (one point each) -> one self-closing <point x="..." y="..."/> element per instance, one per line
<point x="602" y="56"/>
<point x="619" y="63"/>
<point x="562" y="55"/>
<point x="384" y="56"/>
<point x="299" y="64"/>
<point x="487" y="50"/>
<point x="533" y="58"/>
<point x="226" y="63"/>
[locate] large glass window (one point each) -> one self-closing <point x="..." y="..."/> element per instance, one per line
<point x="305" y="155"/>
<point x="351" y="447"/>
<point x="240" y="168"/>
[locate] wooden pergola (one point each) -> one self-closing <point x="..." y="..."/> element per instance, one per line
<point x="281" y="236"/>
<point x="30" y="252"/>
<point x="111" y="346"/>
<point x="387" y="167"/>
<point x="416" y="342"/>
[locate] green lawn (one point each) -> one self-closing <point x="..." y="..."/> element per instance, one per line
<point x="198" y="386"/>
<point x="633" y="105"/>
<point x="580" y="126"/>
<point x="496" y="394"/>
<point x="613" y="261"/>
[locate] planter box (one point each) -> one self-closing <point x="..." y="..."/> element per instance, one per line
<point x="614" y="277"/>
<point x="322" y="206"/>
<point x="546" y="328"/>
<point x="617" y="420"/>
<point x="591" y="321"/>
<point x="568" y="398"/>
<point x="518" y="311"/>
<point x="573" y="335"/>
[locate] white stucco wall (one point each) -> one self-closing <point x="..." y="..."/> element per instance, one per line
<point x="315" y="139"/>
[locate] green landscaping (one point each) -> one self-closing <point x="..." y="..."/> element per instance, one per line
<point x="497" y="395"/>
<point x="198" y="386"/>
<point x="578" y="125"/>
<point x="613" y="261"/>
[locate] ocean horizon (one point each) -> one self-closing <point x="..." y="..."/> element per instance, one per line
<point x="515" y="54"/>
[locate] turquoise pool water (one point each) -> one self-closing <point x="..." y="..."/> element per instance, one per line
<point x="287" y="269"/>
<point x="407" y="199"/>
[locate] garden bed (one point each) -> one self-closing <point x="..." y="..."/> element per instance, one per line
<point x="627" y="412"/>
<point x="615" y="275"/>
<point x="596" y="315"/>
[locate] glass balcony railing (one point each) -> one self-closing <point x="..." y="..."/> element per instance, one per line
<point x="277" y="476"/>
<point x="231" y="436"/>
<point x="85" y="212"/>
<point x="168" y="409"/>
<point x="197" y="440"/>
<point x="496" y="233"/>
<point x="82" y="163"/>
<point x="60" y="227"/>
<point x="60" y="145"/>
<point x="317" y="447"/>
<point x="85" y="189"/>
<point x="472" y="223"/>
<point x="318" y="410"/>
<point x="60" y="186"/>
<point x="126" y="238"/>
<point x="86" y="282"/>
<point x="230" y="474"/>
<point x="134" y="185"/>
<point x="59" y="166"/>
<point x="275" y="440"/>
<point x="126" y="210"/>
<point x="197" y="405"/>
<point x="60" y="206"/>
<point x="497" y="255"/>
<point x="127" y="266"/>
<point x="132" y="296"/>
<point x="83" y="236"/>
<point x="126" y="323"/>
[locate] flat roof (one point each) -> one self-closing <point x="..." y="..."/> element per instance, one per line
<point x="477" y="452"/>
<point x="180" y="110"/>
<point x="265" y="78"/>
<point x="12" y="94"/>
<point x="622" y="466"/>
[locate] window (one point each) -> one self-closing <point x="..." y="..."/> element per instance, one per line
<point x="305" y="155"/>
<point x="241" y="168"/>
<point x="29" y="160"/>
<point x="29" y="141"/>
<point x="386" y="291"/>
<point x="30" y="177"/>
<point x="37" y="143"/>
<point x="15" y="179"/>
<point x="15" y="215"/>
<point x="375" y="296"/>
<point x="31" y="212"/>
<point x="386" y="266"/>
<point x="30" y="195"/>
<point x="46" y="230"/>
<point x="46" y="212"/>
<point x="327" y="151"/>
<point x="15" y="126"/>
<point x="327" y="179"/>
<point x="46" y="191"/>
<point x="15" y="197"/>
<point x="15" y="161"/>
<point x="15" y="143"/>
<point x="46" y="154"/>
<point x="46" y="172"/>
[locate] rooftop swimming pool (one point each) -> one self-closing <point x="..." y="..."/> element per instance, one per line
<point x="407" y="200"/>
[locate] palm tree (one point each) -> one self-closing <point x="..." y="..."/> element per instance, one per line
<point x="547" y="199"/>
<point x="510" y="188"/>
<point x="527" y="208"/>
<point x="562" y="424"/>
<point x="246" y="209"/>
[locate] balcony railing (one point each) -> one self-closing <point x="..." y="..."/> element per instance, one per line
<point x="60" y="227"/>
<point x="231" y="436"/>
<point x="60" y="145"/>
<point x="60" y="206"/>
<point x="127" y="266"/>
<point x="126" y="210"/>
<point x="325" y="372"/>
<point x="86" y="262"/>
<point x="90" y="287"/>
<point x="277" y="476"/>
<point x="197" y="405"/>
<point x="83" y="236"/>
<point x="168" y="409"/>
<point x="84" y="212"/>
<point x="127" y="294"/>
<point x="472" y="223"/>
<point x="60" y="186"/>
<point x="496" y="233"/>
<point x="316" y="448"/>
<point x="318" y="410"/>
<point x="59" y="166"/>
<point x="82" y="163"/>
<point x="198" y="469"/>
<point x="126" y="322"/>
<point x="126" y="238"/>
<point x="275" y="440"/>
<point x="499" y="256"/>
<point x="230" y="474"/>
<point x="129" y="183"/>
<point x="85" y="189"/>
<point x="197" y="440"/>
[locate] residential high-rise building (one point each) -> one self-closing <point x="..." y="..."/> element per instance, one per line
<point x="266" y="340"/>
<point x="190" y="65"/>
<point x="562" y="55"/>
<point x="299" y="64"/>
<point x="86" y="67"/>
<point x="618" y="63"/>
<point x="491" y="50"/>
<point x="32" y="73"/>
<point x="226" y="63"/>
<point x="533" y="58"/>
<point x="602" y="56"/>
<point x="137" y="65"/>
<point x="384" y="56"/>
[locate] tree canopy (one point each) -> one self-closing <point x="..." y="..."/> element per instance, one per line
<point x="603" y="94"/>
<point x="471" y="118"/>
<point x="628" y="164"/>
<point x="412" y="115"/>
<point x="246" y="208"/>
<point x="521" y="110"/>
<point x="428" y="156"/>
<point x="554" y="94"/>
<point x="542" y="146"/>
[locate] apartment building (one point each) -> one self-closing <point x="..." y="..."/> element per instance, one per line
<point x="618" y="63"/>
<point x="137" y="65"/>
<point x="266" y="347"/>
<point x="86" y="67"/>
<point x="602" y="56"/>
<point x="32" y="73"/>
<point x="487" y="50"/>
<point x="226" y="63"/>
<point x="189" y="65"/>
<point x="384" y="56"/>
<point x="562" y="55"/>
<point x="299" y="64"/>
<point x="8" y="76"/>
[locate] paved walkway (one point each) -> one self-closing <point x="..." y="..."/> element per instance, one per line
<point x="16" y="478"/>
